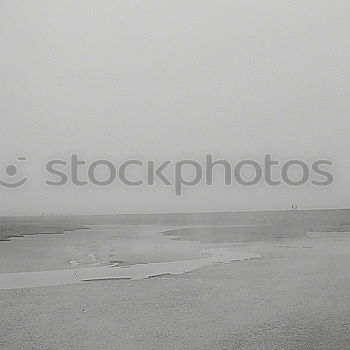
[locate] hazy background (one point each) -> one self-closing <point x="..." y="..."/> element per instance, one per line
<point x="173" y="79"/>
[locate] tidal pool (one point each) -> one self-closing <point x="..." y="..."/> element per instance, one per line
<point x="106" y="252"/>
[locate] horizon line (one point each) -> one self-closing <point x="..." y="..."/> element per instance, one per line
<point x="173" y="213"/>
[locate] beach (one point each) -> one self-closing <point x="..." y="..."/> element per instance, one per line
<point x="292" y="293"/>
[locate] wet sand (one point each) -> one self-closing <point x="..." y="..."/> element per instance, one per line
<point x="91" y="255"/>
<point x="295" y="297"/>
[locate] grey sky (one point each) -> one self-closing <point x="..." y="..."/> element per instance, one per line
<point x="173" y="79"/>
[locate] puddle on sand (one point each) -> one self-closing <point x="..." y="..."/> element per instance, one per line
<point x="134" y="272"/>
<point x="107" y="252"/>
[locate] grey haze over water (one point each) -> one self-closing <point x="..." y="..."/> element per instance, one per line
<point x="156" y="80"/>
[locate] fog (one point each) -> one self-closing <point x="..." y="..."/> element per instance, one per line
<point x="158" y="80"/>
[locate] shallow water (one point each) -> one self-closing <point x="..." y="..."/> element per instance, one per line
<point x="106" y="252"/>
<point x="99" y="245"/>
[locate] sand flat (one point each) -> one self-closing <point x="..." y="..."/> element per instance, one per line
<point x="296" y="296"/>
<point x="98" y="253"/>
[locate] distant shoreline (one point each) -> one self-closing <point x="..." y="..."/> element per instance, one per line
<point x="173" y="213"/>
<point x="289" y="222"/>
